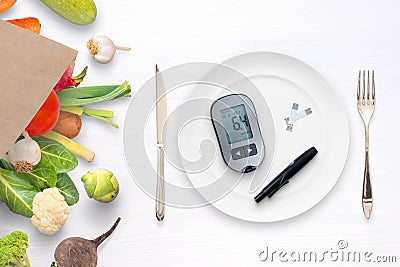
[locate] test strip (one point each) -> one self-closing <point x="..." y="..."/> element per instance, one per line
<point x="295" y="116"/>
<point x="293" y="113"/>
<point x="303" y="114"/>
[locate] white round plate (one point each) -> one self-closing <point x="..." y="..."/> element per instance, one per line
<point x="281" y="80"/>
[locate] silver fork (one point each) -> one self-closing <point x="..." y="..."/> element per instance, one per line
<point x="366" y="108"/>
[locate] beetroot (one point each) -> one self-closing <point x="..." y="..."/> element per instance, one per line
<point x="80" y="252"/>
<point x="67" y="79"/>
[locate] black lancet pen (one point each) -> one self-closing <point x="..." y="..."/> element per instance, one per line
<point x="284" y="177"/>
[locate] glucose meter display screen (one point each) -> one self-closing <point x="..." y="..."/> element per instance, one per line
<point x="236" y="123"/>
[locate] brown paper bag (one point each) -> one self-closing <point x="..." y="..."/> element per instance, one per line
<point x="30" y="66"/>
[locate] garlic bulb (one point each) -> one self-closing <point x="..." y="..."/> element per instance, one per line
<point x="24" y="154"/>
<point x="103" y="49"/>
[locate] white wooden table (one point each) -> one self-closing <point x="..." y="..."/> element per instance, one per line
<point x="336" y="37"/>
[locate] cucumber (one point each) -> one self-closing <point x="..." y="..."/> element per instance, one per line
<point x="76" y="11"/>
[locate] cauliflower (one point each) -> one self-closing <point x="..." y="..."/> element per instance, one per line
<point x="50" y="211"/>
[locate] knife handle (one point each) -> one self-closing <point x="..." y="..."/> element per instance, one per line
<point x="160" y="191"/>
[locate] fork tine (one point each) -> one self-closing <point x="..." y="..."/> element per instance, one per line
<point x="368" y="86"/>
<point x="373" y="85"/>
<point x="363" y="93"/>
<point x="358" y="85"/>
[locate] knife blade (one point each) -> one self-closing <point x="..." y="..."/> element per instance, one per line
<point x="161" y="116"/>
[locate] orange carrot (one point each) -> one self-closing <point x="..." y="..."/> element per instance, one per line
<point x="30" y="23"/>
<point x="6" y="4"/>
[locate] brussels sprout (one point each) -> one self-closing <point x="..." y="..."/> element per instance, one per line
<point x="101" y="185"/>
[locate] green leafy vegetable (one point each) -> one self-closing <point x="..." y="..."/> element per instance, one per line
<point x="67" y="188"/>
<point x="17" y="192"/>
<point x="43" y="176"/>
<point x="56" y="155"/>
<point x="6" y="165"/>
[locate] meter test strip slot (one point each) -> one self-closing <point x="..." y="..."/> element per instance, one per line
<point x="239" y="136"/>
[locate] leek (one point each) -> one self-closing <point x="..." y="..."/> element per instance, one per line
<point x="73" y="109"/>
<point x="113" y="124"/>
<point x="98" y="112"/>
<point x="87" y="91"/>
<point x="71" y="145"/>
<point x="88" y="111"/>
<point x="73" y="99"/>
<point x="82" y="96"/>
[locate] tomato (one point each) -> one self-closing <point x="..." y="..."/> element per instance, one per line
<point x="46" y="118"/>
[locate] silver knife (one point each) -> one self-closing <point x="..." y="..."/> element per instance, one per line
<point x="161" y="115"/>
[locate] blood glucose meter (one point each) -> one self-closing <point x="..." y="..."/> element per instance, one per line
<point x="239" y="136"/>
